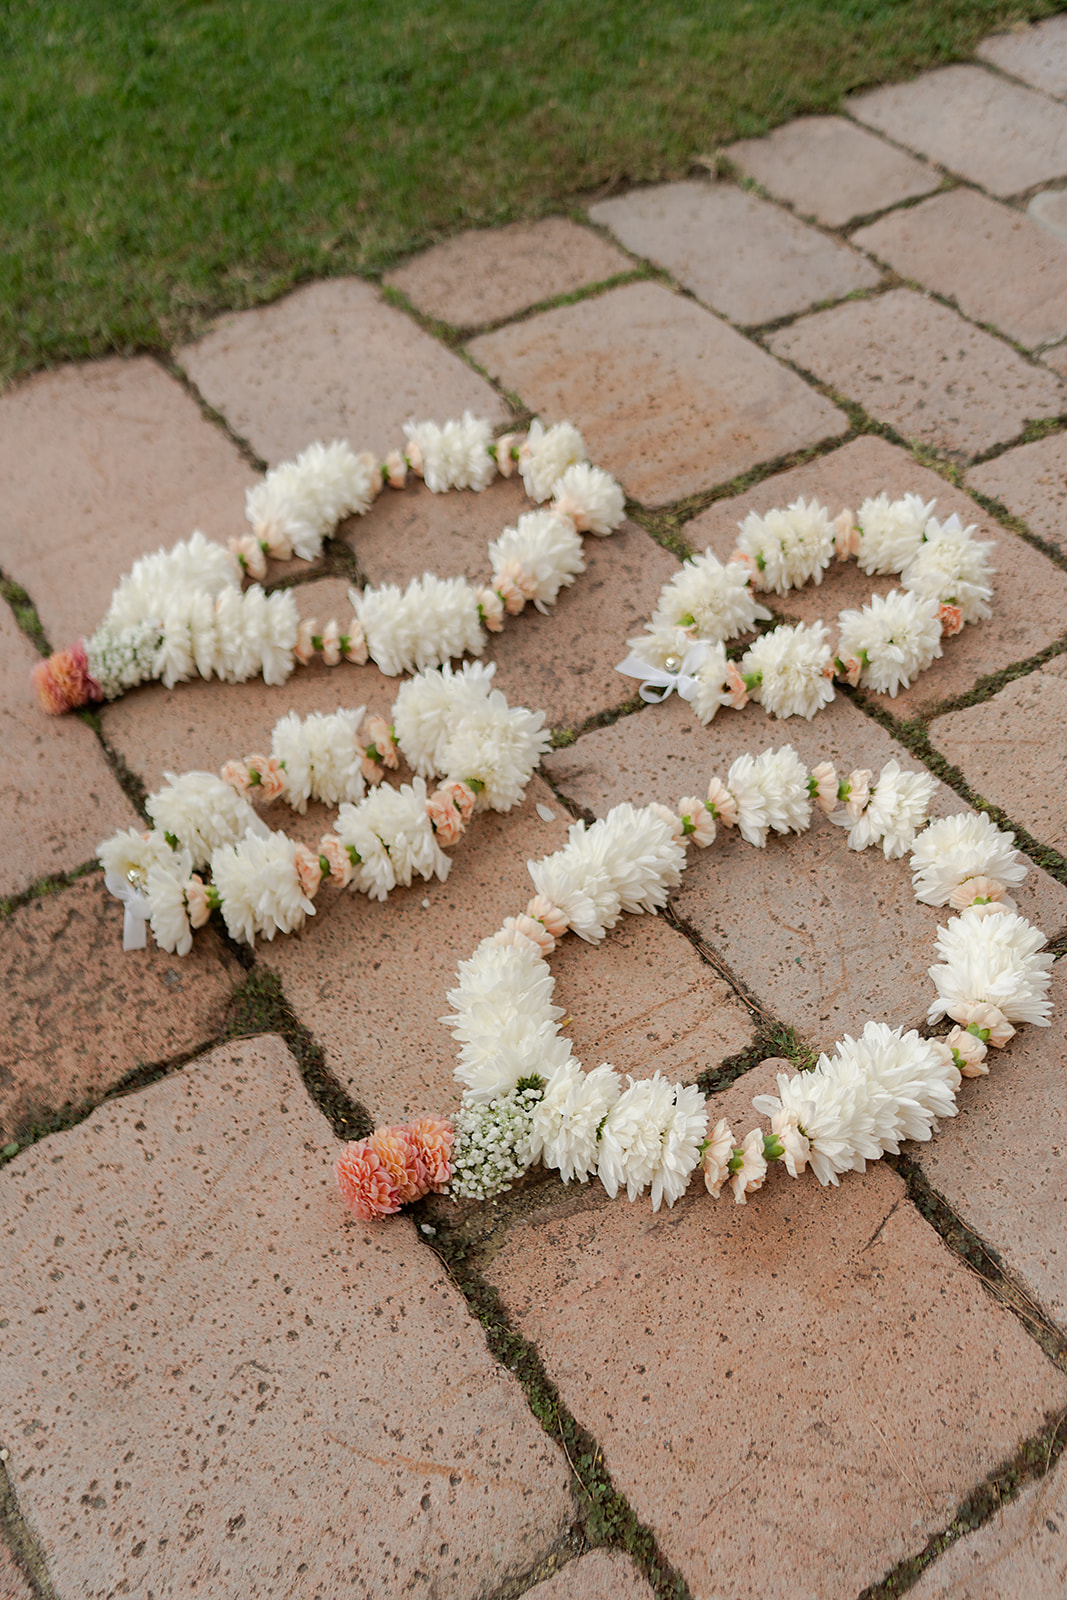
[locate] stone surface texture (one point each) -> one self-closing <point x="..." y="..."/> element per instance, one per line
<point x="1031" y="481"/>
<point x="1049" y="208"/>
<point x="999" y="135"/>
<point x="1037" y="54"/>
<point x="330" y="361"/>
<point x="1021" y="1552"/>
<point x="599" y="1575"/>
<point x="998" y="265"/>
<point x="491" y="273"/>
<point x="918" y="366"/>
<point x="745" y="258"/>
<point x="14" y="1585"/>
<point x="216" y="1385"/>
<point x="832" y="170"/>
<point x="668" y="398"/>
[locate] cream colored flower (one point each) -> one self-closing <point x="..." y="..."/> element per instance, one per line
<point x="716" y="1162"/>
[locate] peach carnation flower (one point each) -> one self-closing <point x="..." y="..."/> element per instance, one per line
<point x="365" y="1182"/>
<point x="491" y="605"/>
<point x="64" y="682"/>
<point x="716" y="1162"/>
<point x="825" y="775"/>
<point x="723" y="803"/>
<point x="702" y="827"/>
<point x="515" y="929"/>
<point x="505" y="462"/>
<point x="354" y="645"/>
<point x="511" y="595"/>
<point x="542" y="910"/>
<point x="396" y="469"/>
<point x="735" y="694"/>
<point x="431" y="1138"/>
<point x="331" y="643"/>
<point x="951" y="619"/>
<point x="337" y="859"/>
<point x="971" y="1052"/>
<point x="977" y="888"/>
<point x="448" y="825"/>
<point x="851" y="670"/>
<point x="196" y="902"/>
<point x="308" y="870"/>
<point x="846" y="536"/>
<point x="379" y="734"/>
<point x="250" y="555"/>
<point x="859" y="791"/>
<point x="271" y="776"/>
<point x="980" y="1014"/>
<point x="397" y="1154"/>
<point x="463" y="797"/>
<point x="753" y="1169"/>
<point x="304" y="648"/>
<point x="237" y="775"/>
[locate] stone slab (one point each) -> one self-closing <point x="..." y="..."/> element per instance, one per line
<point x="14" y="1584"/>
<point x="745" y="258"/>
<point x="1049" y="209"/>
<point x="998" y="265"/>
<point x="1021" y="1552"/>
<point x="489" y="274"/>
<point x="330" y="361"/>
<point x="1031" y="481"/>
<point x="58" y="796"/>
<point x="668" y="398"/>
<point x="1056" y="359"/>
<point x="215" y="1384"/>
<point x="1012" y="749"/>
<point x="1001" y="136"/>
<point x="79" y="1012"/>
<point x="918" y="366"/>
<point x="776" y="1376"/>
<point x="830" y="169"/>
<point x="823" y="937"/>
<point x="1037" y="54"/>
<point x="599" y="1575"/>
<point x="371" y="981"/>
<point x="102" y="463"/>
<point x="1029" y="592"/>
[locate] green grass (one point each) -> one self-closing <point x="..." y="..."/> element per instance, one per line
<point x="166" y="158"/>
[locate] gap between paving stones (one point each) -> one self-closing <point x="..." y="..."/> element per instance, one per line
<point x="23" y="1546"/>
<point x="559" y="1558"/>
<point x="454" y="334"/>
<point x="164" y="358"/>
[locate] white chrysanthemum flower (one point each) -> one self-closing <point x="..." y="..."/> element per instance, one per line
<point x="953" y="569"/>
<point x="259" y="886"/>
<point x="894" y="813"/>
<point x="546" y="454"/>
<point x="714" y="599"/>
<point x="785" y="671"/>
<point x="455" y="456"/>
<point x="396" y="818"/>
<point x="591" y="498"/>
<point x="491" y="1144"/>
<point x="320" y="755"/>
<point x="680" y="1153"/>
<point x="651" y="1135"/>
<point x="787" y="548"/>
<point x="548" y="550"/>
<point x="891" y="531"/>
<point x="566" y="1119"/>
<point x="253" y="632"/>
<point x="432" y="620"/>
<point x="710" y="691"/>
<point x="195" y="563"/>
<point x="121" y="658"/>
<point x="429" y="706"/>
<point x="167" y="914"/>
<point x="202" y="813"/>
<point x="895" y="637"/>
<point x="626" y="861"/>
<point x="129" y="855"/>
<point x="660" y="643"/>
<point x="504" y="1019"/>
<point x="494" y="750"/>
<point x="771" y="791"/>
<point x="992" y="961"/>
<point x="299" y="503"/>
<point x="966" y="845"/>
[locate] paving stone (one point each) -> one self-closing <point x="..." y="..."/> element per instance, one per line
<point x="102" y="463"/>
<point x="1049" y="208"/>
<point x="79" y="1012"/>
<point x="999" y="135"/>
<point x="1031" y="481"/>
<point x="330" y="361"/>
<point x="1037" y="54"/>
<point x="58" y="797"/>
<point x="919" y="366"/>
<point x="1029" y="595"/>
<point x="824" y="937"/>
<point x="830" y="169"/>
<point x="861" y="1375"/>
<point x="997" y="264"/>
<point x="492" y="273"/>
<point x="747" y="259"/>
<point x="1021" y="1551"/>
<point x="600" y="1575"/>
<point x="1012" y="750"/>
<point x="14" y="1584"/>
<point x="216" y="1385"/>
<point x="1056" y="359"/>
<point x="668" y="398"/>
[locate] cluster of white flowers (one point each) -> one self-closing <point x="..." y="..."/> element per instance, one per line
<point x="541" y="555"/>
<point x="786" y="549"/>
<point x="952" y="568"/>
<point x="787" y="671"/>
<point x="299" y="503"/>
<point x="428" y="707"/>
<point x="455" y="456"/>
<point x="258" y="883"/>
<point x="546" y="455"/>
<point x="961" y="849"/>
<point x="991" y="964"/>
<point x="320" y="755"/>
<point x="491" y="1146"/>
<point x="202" y="813"/>
<point x="652" y="1135"/>
<point x="504" y="1019"/>
<point x="769" y="791"/>
<point x="456" y="724"/>
<point x="391" y="834"/>
<point x="626" y="861"/>
<point x="568" y="1118"/>
<point x="713" y="600"/>
<point x="894" y="638"/>
<point x="430" y="621"/>
<point x="891" y="531"/>
<point x="894" y="812"/>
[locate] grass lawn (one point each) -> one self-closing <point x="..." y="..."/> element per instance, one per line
<point x="163" y="159"/>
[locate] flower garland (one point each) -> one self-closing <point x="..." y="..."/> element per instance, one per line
<point x="184" y="611"/>
<point x="526" y="1098"/>
<point x="789" y="671"/>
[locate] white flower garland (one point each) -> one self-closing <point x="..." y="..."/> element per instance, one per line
<point x="789" y="671"/>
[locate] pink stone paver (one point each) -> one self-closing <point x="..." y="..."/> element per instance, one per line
<point x="488" y="274"/>
<point x="600" y="1575"/>
<point x="1021" y="1552"/>
<point x="214" y="1384"/>
<point x="919" y="366"/>
<point x="101" y="463"/>
<point x="1057" y="359"/>
<point x="668" y="398"/>
<point x="58" y="796"/>
<point x="998" y="265"/>
<point x="747" y="259"/>
<point x="778" y="1376"/>
<point x="823" y="937"/>
<point x="1012" y="750"/>
<point x="1037" y="54"/>
<point x="1029" y="592"/>
<point x="1049" y="210"/>
<point x="14" y="1585"/>
<point x="79" y="1012"/>
<point x="999" y="135"/>
<point x="830" y="169"/>
<point x="331" y="361"/>
<point x="1032" y="482"/>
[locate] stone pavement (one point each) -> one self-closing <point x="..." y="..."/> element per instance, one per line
<point x="214" y="1382"/>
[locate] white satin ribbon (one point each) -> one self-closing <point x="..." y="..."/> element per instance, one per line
<point x="658" y="683"/>
<point x="135" y="910"/>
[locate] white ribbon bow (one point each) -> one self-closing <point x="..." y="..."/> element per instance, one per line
<point x="659" y="683"/>
<point x="135" y="910"/>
